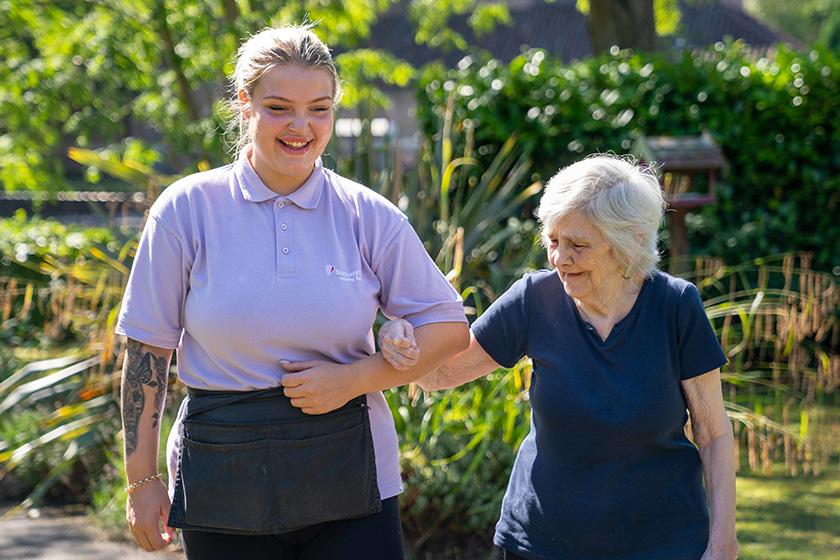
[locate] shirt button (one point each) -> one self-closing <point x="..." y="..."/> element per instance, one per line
<point x="285" y="250"/>
<point x="284" y="227"/>
<point x="281" y="204"/>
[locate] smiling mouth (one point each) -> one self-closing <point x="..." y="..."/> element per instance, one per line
<point x="295" y="145"/>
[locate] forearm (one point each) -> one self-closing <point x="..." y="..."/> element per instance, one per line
<point x="437" y="342"/>
<point x="466" y="366"/>
<point x="143" y="393"/>
<point x="446" y="376"/>
<point x="719" y="473"/>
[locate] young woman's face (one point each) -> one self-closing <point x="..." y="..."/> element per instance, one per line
<point x="290" y="121"/>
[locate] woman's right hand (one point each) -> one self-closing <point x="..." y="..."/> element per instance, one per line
<point x="146" y="509"/>
<point x="398" y="345"/>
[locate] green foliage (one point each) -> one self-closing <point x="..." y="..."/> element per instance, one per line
<point x="54" y="279"/>
<point x="57" y="414"/>
<point x="363" y="67"/>
<point x="487" y="17"/>
<point x="102" y="74"/>
<point x="775" y="118"/>
<point x="810" y="21"/>
<point x="457" y="451"/>
<point x="779" y="323"/>
<point x="468" y="219"/>
<point x="666" y="14"/>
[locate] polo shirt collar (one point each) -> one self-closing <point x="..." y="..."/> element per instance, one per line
<point x="254" y="190"/>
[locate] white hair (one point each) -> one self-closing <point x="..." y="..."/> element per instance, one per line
<point x="619" y="197"/>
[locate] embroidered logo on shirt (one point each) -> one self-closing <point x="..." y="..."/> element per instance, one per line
<point x="342" y="275"/>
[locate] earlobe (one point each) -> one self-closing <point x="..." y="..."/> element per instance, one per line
<point x="244" y="103"/>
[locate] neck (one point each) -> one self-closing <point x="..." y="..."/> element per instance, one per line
<point x="612" y="302"/>
<point x="281" y="184"/>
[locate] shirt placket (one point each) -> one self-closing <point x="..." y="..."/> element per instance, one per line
<point x="284" y="238"/>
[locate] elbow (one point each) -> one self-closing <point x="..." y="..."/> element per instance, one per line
<point x="426" y="384"/>
<point x="721" y="437"/>
<point x="457" y="340"/>
<point x="461" y="341"/>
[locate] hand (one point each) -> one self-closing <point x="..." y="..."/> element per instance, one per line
<point x="398" y="345"/>
<point x="146" y="509"/>
<point x="725" y="551"/>
<point x="318" y="387"/>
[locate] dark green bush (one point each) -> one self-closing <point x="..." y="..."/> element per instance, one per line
<point x="777" y="120"/>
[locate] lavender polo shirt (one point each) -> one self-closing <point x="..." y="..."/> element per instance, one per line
<point x="238" y="278"/>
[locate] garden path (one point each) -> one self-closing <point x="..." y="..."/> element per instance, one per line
<point x="58" y="536"/>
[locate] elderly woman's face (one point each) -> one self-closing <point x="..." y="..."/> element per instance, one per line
<point x="582" y="256"/>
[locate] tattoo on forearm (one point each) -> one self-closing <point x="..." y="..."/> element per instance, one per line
<point x="141" y="368"/>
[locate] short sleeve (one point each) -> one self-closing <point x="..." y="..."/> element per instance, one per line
<point x="153" y="303"/>
<point x="698" y="346"/>
<point x="413" y="288"/>
<point x="502" y="330"/>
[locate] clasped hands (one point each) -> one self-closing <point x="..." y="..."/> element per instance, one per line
<point x="319" y="386"/>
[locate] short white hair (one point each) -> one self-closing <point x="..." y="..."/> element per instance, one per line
<point x="618" y="196"/>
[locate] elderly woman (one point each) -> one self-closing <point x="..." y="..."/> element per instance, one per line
<point x="622" y="355"/>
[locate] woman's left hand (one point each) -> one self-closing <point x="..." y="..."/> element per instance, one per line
<point x="318" y="387"/>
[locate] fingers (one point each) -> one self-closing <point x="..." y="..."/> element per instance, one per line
<point x="307" y="407"/>
<point x="403" y="359"/>
<point x="146" y="510"/>
<point x="407" y="331"/>
<point x="297" y="366"/>
<point x="404" y="346"/>
<point x="398" y="346"/>
<point x="295" y="391"/>
<point x="169" y="532"/>
<point x="151" y="540"/>
<point x="398" y="329"/>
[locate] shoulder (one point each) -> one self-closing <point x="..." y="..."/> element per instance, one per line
<point x="671" y="287"/>
<point x="180" y="198"/>
<point x="542" y="278"/>
<point x="674" y="298"/>
<point x="539" y="285"/>
<point x="369" y="204"/>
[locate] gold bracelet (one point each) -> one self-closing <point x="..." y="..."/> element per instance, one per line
<point x="135" y="485"/>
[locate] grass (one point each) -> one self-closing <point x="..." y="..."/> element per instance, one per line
<point x="781" y="518"/>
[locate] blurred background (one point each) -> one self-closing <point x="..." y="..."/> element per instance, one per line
<point x="457" y="111"/>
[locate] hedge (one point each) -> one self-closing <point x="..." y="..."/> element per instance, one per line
<point x="777" y="119"/>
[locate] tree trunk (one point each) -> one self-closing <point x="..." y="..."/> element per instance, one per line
<point x="173" y="61"/>
<point x="231" y="11"/>
<point x="626" y="23"/>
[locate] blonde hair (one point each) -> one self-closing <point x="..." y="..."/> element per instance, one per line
<point x="291" y="45"/>
<point x="620" y="197"/>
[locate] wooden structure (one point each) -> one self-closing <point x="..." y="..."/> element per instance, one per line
<point x="689" y="167"/>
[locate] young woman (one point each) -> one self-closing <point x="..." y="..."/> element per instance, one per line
<point x="275" y="259"/>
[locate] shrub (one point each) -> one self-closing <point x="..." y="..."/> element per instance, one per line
<point x="777" y="120"/>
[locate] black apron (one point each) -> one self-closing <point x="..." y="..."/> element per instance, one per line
<point x="251" y="463"/>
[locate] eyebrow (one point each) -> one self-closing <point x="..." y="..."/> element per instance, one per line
<point x="322" y="98"/>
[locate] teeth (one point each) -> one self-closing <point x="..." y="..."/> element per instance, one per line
<point x="295" y="144"/>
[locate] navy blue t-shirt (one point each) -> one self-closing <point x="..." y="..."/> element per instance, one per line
<point x="606" y="471"/>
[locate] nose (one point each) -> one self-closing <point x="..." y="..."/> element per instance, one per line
<point x="561" y="255"/>
<point x="298" y="123"/>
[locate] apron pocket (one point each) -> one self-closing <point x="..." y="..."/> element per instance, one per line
<point x="325" y="478"/>
<point x="226" y="486"/>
